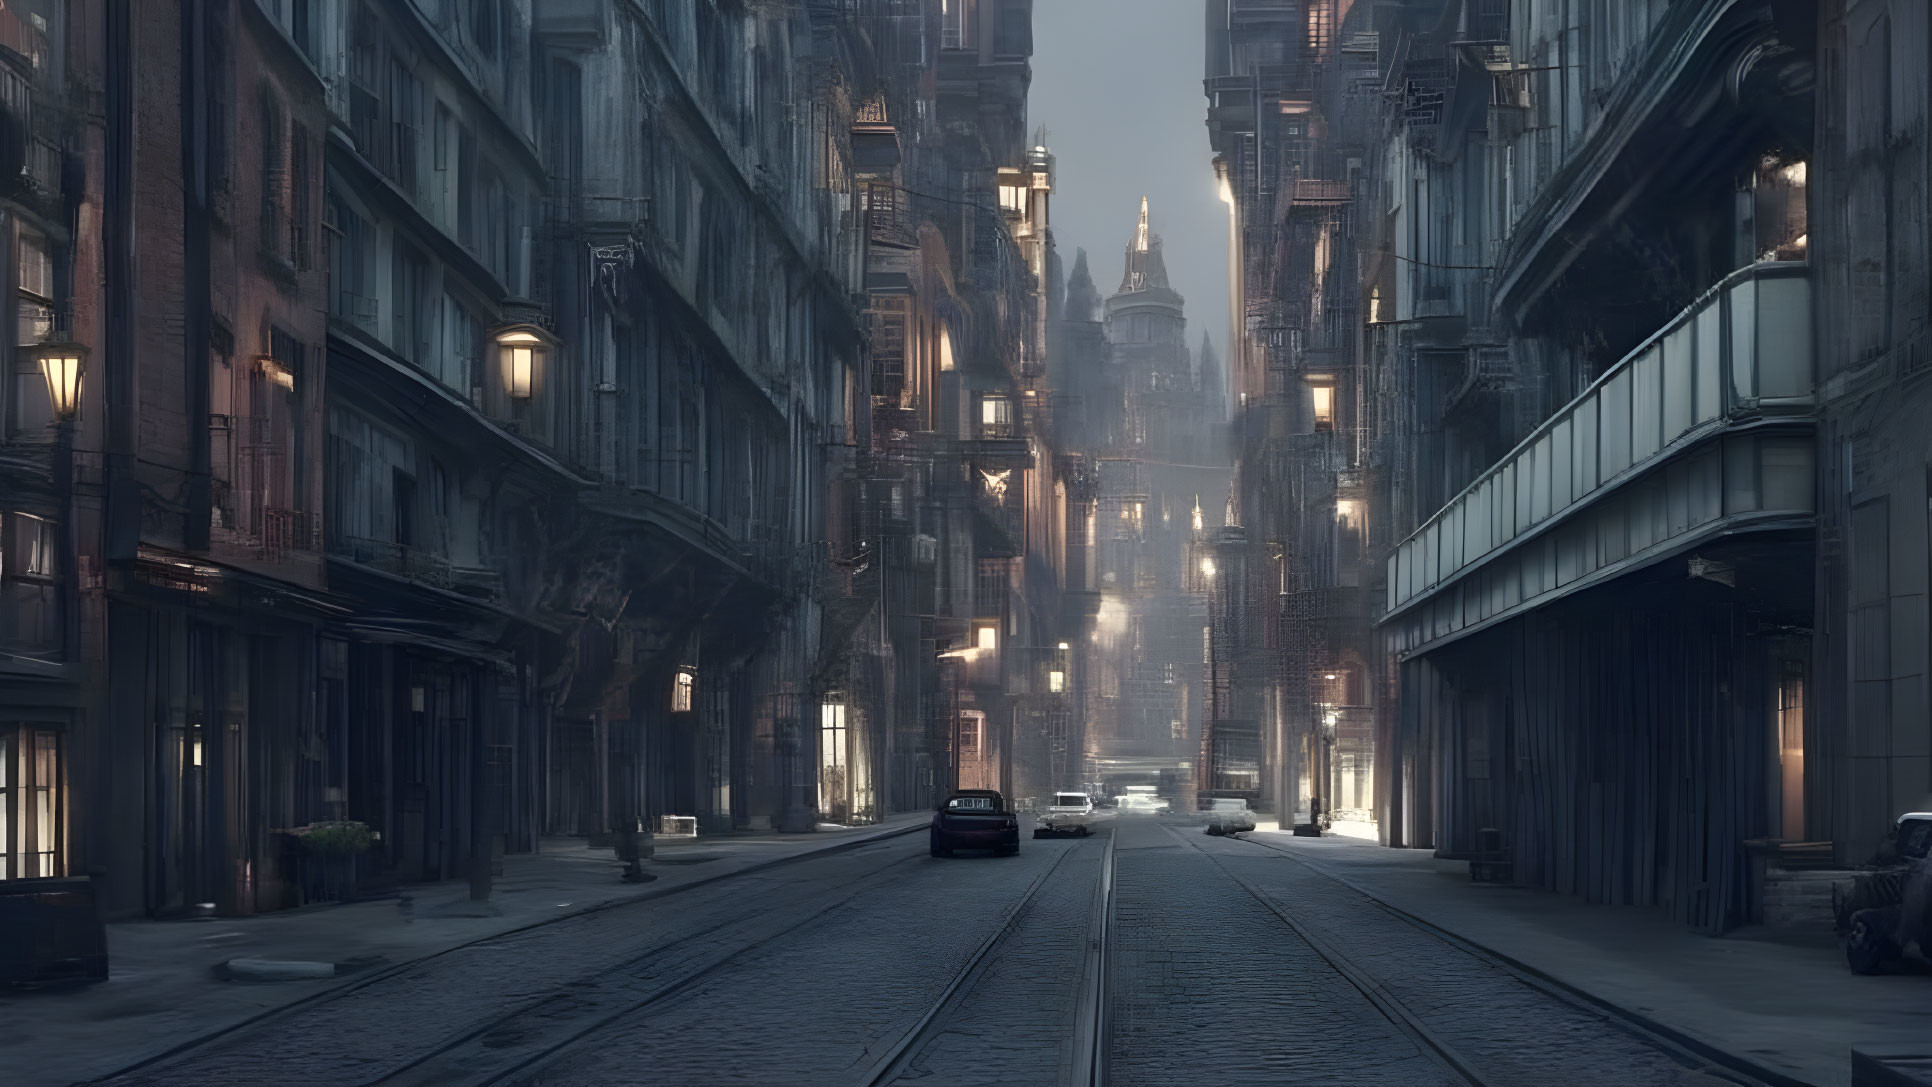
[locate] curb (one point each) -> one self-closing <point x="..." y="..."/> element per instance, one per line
<point x="358" y="981"/>
<point x="1721" y="1057"/>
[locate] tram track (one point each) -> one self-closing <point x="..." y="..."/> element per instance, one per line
<point x="1083" y="1061"/>
<point x="1471" y="1064"/>
<point x="530" y="1036"/>
<point x="1688" y="1050"/>
<point x="570" y="1001"/>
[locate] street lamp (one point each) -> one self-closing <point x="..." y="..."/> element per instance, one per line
<point x="61" y="363"/>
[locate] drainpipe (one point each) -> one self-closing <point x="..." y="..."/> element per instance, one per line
<point x="195" y="263"/>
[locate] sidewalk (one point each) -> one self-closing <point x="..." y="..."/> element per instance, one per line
<point x="1785" y="1002"/>
<point x="161" y="993"/>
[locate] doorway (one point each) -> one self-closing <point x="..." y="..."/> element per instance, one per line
<point x="1791" y="750"/>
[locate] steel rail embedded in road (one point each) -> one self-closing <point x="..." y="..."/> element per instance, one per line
<point x="592" y="1013"/>
<point x="889" y="1067"/>
<point x="1686" y="1050"/>
<point x="1376" y="995"/>
<point x="1091" y="1019"/>
<point x="1430" y="1040"/>
<point x="374" y="978"/>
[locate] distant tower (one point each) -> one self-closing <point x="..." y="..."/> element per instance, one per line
<point x="1083" y="298"/>
<point x="1213" y="381"/>
<point x="1146" y="272"/>
<point x="1147" y="328"/>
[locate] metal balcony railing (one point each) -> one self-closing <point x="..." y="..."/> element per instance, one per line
<point x="1738" y="355"/>
<point x="398" y="559"/>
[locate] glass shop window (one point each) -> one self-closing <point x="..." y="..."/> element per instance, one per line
<point x="32" y="808"/>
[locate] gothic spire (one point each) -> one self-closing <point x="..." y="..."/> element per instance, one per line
<point x="1146" y="270"/>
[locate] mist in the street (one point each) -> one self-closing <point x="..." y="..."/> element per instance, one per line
<point x="966" y="542"/>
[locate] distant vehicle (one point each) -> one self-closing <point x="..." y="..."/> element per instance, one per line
<point x="1889" y="912"/>
<point x="1228" y="815"/>
<point x="1139" y="803"/>
<point x="975" y="819"/>
<point x="1069" y="814"/>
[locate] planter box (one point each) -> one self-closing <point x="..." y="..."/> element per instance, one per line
<point x="328" y="877"/>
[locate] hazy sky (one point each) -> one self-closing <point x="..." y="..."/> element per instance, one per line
<point x="1117" y="83"/>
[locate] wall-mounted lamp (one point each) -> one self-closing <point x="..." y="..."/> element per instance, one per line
<point x="522" y="350"/>
<point x="61" y="363"/>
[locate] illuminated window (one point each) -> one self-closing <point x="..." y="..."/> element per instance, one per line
<point x="1013" y="198"/>
<point x="952" y="19"/>
<point x="1056" y="681"/>
<point x="833" y="760"/>
<point x="31" y="805"/>
<point x="1780" y="212"/>
<point x="995" y="414"/>
<point x="683" y="691"/>
<point x="1324" y="398"/>
<point x="987" y="636"/>
<point x="945" y="348"/>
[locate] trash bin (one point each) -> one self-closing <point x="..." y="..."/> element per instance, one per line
<point x="54" y="932"/>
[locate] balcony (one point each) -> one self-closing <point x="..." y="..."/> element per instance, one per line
<point x="397" y="559"/>
<point x="875" y="140"/>
<point x="1704" y="431"/>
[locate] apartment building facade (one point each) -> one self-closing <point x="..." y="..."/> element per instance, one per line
<point x="458" y="417"/>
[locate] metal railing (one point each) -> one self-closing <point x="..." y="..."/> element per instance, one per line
<point x="1744" y="348"/>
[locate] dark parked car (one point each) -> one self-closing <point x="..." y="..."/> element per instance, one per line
<point x="975" y="819"/>
<point x="1889" y="912"/>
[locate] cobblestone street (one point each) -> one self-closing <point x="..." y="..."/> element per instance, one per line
<point x="1225" y="962"/>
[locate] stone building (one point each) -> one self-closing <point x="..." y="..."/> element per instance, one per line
<point x="475" y="428"/>
<point x="1627" y="355"/>
<point x="1606" y="478"/>
<point x="1292" y="100"/>
<point x="1859" y="752"/>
